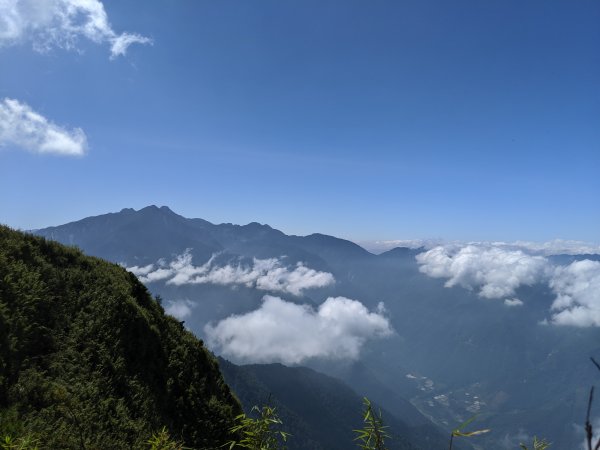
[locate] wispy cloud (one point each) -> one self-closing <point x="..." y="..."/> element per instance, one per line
<point x="61" y="23"/>
<point x="263" y="274"/>
<point x="291" y="333"/>
<point x="22" y="127"/>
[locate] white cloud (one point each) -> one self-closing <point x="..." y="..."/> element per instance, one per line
<point x="121" y="43"/>
<point x="21" y="126"/>
<point x="61" y="23"/>
<point x="494" y="272"/>
<point x="577" y="288"/>
<point x="290" y="333"/>
<point x="139" y="271"/>
<point x="264" y="274"/>
<point x="179" y="309"/>
<point x="513" y="302"/>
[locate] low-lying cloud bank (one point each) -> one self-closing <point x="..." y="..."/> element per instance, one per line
<point x="554" y="247"/>
<point x="286" y="332"/>
<point x="22" y="127"/>
<point x="496" y="271"/>
<point x="264" y="274"/>
<point x="61" y="23"/>
<point x="548" y="248"/>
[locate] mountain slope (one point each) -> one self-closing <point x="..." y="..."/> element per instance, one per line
<point x="319" y="411"/>
<point x="89" y="359"/>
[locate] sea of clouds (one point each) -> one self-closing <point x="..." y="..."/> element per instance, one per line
<point x="291" y="332"/>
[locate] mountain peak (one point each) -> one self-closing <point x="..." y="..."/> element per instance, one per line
<point x="149" y="208"/>
<point x="399" y="252"/>
<point x="258" y="226"/>
<point x="155" y="209"/>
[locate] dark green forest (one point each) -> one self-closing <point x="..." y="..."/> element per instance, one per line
<point x="88" y="359"/>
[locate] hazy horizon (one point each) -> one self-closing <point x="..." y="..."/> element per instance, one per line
<point x="377" y="246"/>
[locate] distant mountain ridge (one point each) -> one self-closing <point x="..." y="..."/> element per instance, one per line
<point x="117" y="236"/>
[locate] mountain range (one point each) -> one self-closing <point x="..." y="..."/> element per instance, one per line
<point x="449" y="352"/>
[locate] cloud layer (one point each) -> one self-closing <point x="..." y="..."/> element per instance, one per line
<point x="290" y="333"/>
<point x="264" y="274"/>
<point x="22" y="127"/>
<point x="554" y="247"/>
<point x="496" y="271"/>
<point x="61" y="23"/>
<point x="548" y="248"/>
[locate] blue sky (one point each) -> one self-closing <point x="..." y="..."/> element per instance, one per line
<point x="362" y="119"/>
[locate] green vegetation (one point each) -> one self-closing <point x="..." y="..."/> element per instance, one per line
<point x="458" y="431"/>
<point x="24" y="443"/>
<point x="257" y="433"/>
<point x="89" y="360"/>
<point x="537" y="444"/>
<point x="373" y="435"/>
<point x="163" y="441"/>
<point x="318" y="410"/>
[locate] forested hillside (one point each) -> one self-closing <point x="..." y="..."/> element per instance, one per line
<point x="320" y="411"/>
<point x="88" y="359"/>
